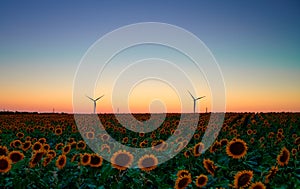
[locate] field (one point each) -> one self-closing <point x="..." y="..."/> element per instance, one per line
<point x="252" y="150"/>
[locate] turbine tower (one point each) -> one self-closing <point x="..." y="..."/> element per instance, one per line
<point x="195" y="99"/>
<point x="95" y="101"/>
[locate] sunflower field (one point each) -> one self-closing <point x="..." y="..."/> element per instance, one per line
<point x="252" y="150"/>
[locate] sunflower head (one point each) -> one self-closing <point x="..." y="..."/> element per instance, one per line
<point x="5" y="164"/>
<point x="37" y="146"/>
<point x="201" y="180"/>
<point x="66" y="149"/>
<point x="96" y="160"/>
<point x="121" y="159"/>
<point x="257" y="185"/>
<point x="16" y="156"/>
<point x="46" y="147"/>
<point x="81" y="145"/>
<point x="42" y="140"/>
<point x="3" y="151"/>
<point x="272" y="172"/>
<point x="26" y="145"/>
<point x="182" y="182"/>
<point x="47" y="160"/>
<point x="224" y="142"/>
<point x="198" y="149"/>
<point x="61" y="161"/>
<point x="243" y="178"/>
<point x="16" y="144"/>
<point x="209" y="166"/>
<point x="284" y="157"/>
<point x="51" y="153"/>
<point x="36" y="157"/>
<point x="182" y="173"/>
<point x="148" y="162"/>
<point x="20" y="135"/>
<point x="85" y="159"/>
<point x="59" y="146"/>
<point x="236" y="148"/>
<point x="58" y="131"/>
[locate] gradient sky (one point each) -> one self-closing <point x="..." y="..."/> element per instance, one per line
<point x="255" y="43"/>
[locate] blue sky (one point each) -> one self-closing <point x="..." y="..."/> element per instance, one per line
<point x="256" y="44"/>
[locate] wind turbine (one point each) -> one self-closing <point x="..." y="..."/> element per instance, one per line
<point x="94" y="100"/>
<point x="195" y="99"/>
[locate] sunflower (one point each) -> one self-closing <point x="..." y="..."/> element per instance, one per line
<point x="106" y="148"/>
<point x="90" y="135"/>
<point x="201" y="180"/>
<point x="20" y="135"/>
<point x="47" y="160"/>
<point x="187" y="153"/>
<point x="71" y="140"/>
<point x="272" y="172"/>
<point x="294" y="136"/>
<point x="243" y="178"/>
<point x="58" y="131"/>
<point x="36" y="158"/>
<point x="143" y="144"/>
<point x="157" y="145"/>
<point x="16" y="156"/>
<point x="294" y="151"/>
<point x="5" y="164"/>
<point x="73" y="144"/>
<point x="66" y="149"/>
<point x="179" y="147"/>
<point x="51" y="153"/>
<point x="74" y="158"/>
<point x="16" y="144"/>
<point x="59" y="146"/>
<point x="249" y="132"/>
<point x="257" y="185"/>
<point x="61" y="161"/>
<point x="85" y="159"/>
<point x="224" y="142"/>
<point x="96" y="160"/>
<point x="36" y="146"/>
<point x="270" y="135"/>
<point x="148" y="162"/>
<point x="198" y="149"/>
<point x="215" y="147"/>
<point x="125" y="140"/>
<point x="3" y="151"/>
<point x="121" y="159"/>
<point x="236" y="148"/>
<point x="104" y="137"/>
<point x="196" y="136"/>
<point x="297" y="141"/>
<point x="209" y="166"/>
<point x="141" y="134"/>
<point x="46" y="147"/>
<point x="182" y="182"/>
<point x="134" y="141"/>
<point x="81" y="145"/>
<point x="182" y="173"/>
<point x="284" y="157"/>
<point x="26" y="145"/>
<point x="42" y="140"/>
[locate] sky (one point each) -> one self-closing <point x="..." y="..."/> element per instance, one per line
<point x="255" y="43"/>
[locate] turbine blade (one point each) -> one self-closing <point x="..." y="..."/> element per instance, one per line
<point x="89" y="97"/>
<point x="191" y="94"/>
<point x="99" y="98"/>
<point x="200" y="97"/>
